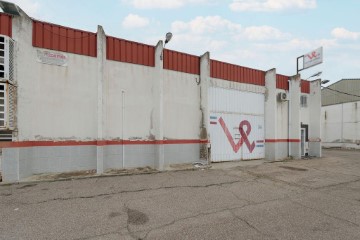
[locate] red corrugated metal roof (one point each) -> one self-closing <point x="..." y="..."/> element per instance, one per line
<point x="282" y="82"/>
<point x="181" y="62"/>
<point x="236" y="73"/>
<point x="5" y="24"/>
<point x="131" y="52"/>
<point x="305" y="86"/>
<point x="55" y="37"/>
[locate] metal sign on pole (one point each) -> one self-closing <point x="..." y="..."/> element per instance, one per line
<point x="310" y="59"/>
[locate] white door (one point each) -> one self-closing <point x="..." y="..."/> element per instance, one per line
<point x="236" y="125"/>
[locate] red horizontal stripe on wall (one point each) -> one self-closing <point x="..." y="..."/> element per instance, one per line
<point x="98" y="143"/>
<point x="282" y="140"/>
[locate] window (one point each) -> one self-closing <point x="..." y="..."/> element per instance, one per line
<point x="2" y="105"/>
<point x="303" y="101"/>
<point x="6" y="58"/>
<point x="7" y="106"/>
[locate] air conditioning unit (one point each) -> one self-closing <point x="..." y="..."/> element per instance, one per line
<point x="6" y="59"/>
<point x="283" y="96"/>
<point x="7" y="106"/>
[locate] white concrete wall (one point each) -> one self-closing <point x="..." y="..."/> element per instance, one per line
<point x="282" y="117"/>
<point x="182" y="115"/>
<point x="341" y="125"/>
<point x="84" y="101"/>
<point x="137" y="81"/>
<point x="54" y="102"/>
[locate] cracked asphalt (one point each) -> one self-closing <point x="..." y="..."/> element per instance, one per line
<point x="302" y="199"/>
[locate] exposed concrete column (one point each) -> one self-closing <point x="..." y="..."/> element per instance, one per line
<point x="204" y="107"/>
<point x="101" y="57"/>
<point x="14" y="164"/>
<point x="315" y="118"/>
<point x="158" y="113"/>
<point x="270" y="114"/>
<point x="294" y="116"/>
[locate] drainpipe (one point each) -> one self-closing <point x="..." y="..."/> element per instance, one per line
<point x="289" y="121"/>
<point x="342" y="125"/>
<point x="123" y="126"/>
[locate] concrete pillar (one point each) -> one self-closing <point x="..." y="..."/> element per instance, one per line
<point x="158" y="116"/>
<point x="315" y="118"/>
<point x="294" y="116"/>
<point x="101" y="57"/>
<point x="204" y="89"/>
<point x="270" y="115"/>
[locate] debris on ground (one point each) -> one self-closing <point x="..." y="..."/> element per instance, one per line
<point x="88" y="173"/>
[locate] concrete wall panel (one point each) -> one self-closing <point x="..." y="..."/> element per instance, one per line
<point x="53" y="103"/>
<point x="182" y="115"/>
<point x="181" y="153"/>
<point x="341" y="125"/>
<point x="137" y="84"/>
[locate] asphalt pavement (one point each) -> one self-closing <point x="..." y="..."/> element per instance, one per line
<point x="315" y="198"/>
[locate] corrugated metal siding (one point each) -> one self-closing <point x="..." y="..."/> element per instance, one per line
<point x="282" y="82"/>
<point x="229" y="112"/>
<point x="237" y="73"/>
<point x="305" y="86"/>
<point x="130" y="52"/>
<point x="351" y="86"/>
<point x="5" y="24"/>
<point x="181" y="62"/>
<point x="55" y="37"/>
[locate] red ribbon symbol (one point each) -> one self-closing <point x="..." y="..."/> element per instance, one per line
<point x="313" y="55"/>
<point x="244" y="135"/>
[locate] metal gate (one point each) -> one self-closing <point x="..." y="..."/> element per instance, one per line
<point x="236" y="125"/>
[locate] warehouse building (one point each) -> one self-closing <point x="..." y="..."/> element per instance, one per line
<point x="340" y="114"/>
<point x="75" y="100"/>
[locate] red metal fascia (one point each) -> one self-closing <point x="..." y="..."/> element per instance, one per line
<point x="59" y="38"/>
<point x="282" y="82"/>
<point x="6" y="24"/>
<point x="305" y="86"/>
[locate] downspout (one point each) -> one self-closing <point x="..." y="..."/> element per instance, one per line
<point x="123" y="126"/>
<point x="342" y="125"/>
<point x="289" y="122"/>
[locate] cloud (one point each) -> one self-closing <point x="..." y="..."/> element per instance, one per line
<point x="214" y="33"/>
<point x="271" y="5"/>
<point x="264" y="33"/>
<point x="166" y="4"/>
<point x="201" y="34"/>
<point x="342" y="33"/>
<point x="134" y="21"/>
<point x="30" y="7"/>
<point x="296" y="44"/>
<point x="204" y="25"/>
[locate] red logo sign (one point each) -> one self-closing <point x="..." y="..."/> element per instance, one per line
<point x="244" y="136"/>
<point x="312" y="55"/>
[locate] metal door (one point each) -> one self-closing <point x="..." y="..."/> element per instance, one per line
<point x="236" y="125"/>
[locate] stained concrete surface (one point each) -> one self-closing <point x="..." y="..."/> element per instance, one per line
<point x="302" y="199"/>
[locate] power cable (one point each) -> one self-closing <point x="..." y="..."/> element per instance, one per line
<point x="349" y="94"/>
<point x="49" y="29"/>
